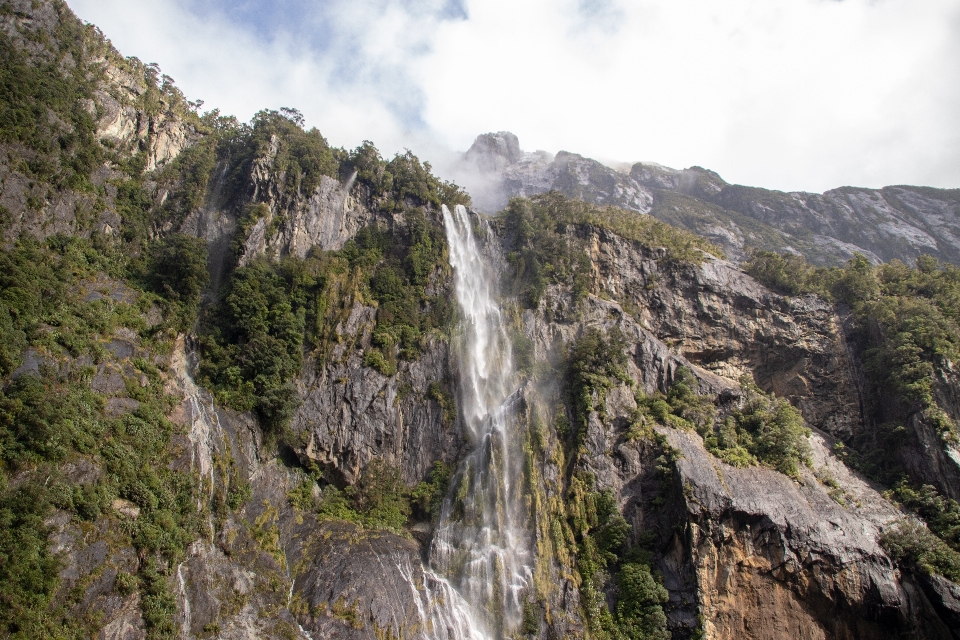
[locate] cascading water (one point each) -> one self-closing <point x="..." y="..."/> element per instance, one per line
<point x="482" y="544"/>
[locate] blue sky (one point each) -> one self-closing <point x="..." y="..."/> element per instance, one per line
<point x="787" y="94"/>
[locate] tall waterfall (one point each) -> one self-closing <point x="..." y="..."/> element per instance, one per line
<point x="482" y="545"/>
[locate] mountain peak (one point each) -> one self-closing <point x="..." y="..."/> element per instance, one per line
<point x="495" y="151"/>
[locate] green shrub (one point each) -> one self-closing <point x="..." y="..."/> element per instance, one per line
<point x="914" y="544"/>
<point x="374" y="358"/>
<point x="378" y="500"/>
<point x="252" y="344"/>
<point x="770" y="429"/>
<point x="42" y="108"/>
<point x="602" y="535"/>
<point x="762" y="429"/>
<point x="43" y="420"/>
<point x="594" y="362"/>
<point x="427" y="497"/>
<point x="55" y="417"/>
<point x="178" y="271"/>
<point x="941" y="514"/>
<point x="640" y="601"/>
<point x="29" y="572"/>
<point x="439" y="394"/>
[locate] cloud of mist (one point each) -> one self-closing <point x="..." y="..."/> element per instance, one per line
<point x="796" y="94"/>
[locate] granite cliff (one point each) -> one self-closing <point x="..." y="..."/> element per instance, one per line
<point x="233" y="394"/>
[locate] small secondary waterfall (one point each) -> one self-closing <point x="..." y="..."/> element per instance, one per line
<point x="481" y="544"/>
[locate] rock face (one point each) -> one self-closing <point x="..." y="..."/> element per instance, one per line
<point x="351" y="414"/>
<point x="899" y="222"/>
<point x="774" y="559"/>
<point x="741" y="552"/>
<point x="494" y="169"/>
<point x="760" y="554"/>
<point x="126" y="122"/>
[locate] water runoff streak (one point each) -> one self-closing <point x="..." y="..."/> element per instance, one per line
<point x="481" y="544"/>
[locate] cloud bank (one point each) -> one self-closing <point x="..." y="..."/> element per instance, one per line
<point x="792" y="94"/>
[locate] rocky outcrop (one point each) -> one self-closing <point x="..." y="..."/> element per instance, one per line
<point x="743" y="552"/>
<point x="774" y="558"/>
<point x="724" y="321"/>
<point x="125" y="125"/>
<point x="351" y="414"/>
<point x="899" y="222"/>
<point x="494" y="169"/>
<point x="324" y="220"/>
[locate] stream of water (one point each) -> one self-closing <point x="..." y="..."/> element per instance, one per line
<point x="482" y="545"/>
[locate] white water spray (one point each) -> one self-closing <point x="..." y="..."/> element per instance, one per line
<point x="482" y="544"/>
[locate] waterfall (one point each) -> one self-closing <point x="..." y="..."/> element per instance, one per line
<point x="481" y="544"/>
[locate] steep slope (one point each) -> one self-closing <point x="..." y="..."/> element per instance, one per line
<point x="232" y="399"/>
<point x="899" y="222"/>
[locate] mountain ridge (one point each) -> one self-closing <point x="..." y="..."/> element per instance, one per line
<point x="896" y="222"/>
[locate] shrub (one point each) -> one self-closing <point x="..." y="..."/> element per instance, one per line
<point x="178" y="272"/>
<point x="640" y="601"/>
<point x="913" y="543"/>
<point x="427" y="497"/>
<point x="602" y="535"/>
<point x="378" y="500"/>
<point x="762" y="429"/>
<point x="374" y="358"/>
<point x="941" y="514"/>
<point x="594" y="362"/>
<point x="772" y="430"/>
<point x="253" y="344"/>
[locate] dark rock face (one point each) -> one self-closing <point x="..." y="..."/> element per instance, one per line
<point x="351" y="414"/>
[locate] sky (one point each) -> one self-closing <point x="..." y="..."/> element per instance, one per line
<point x="784" y="94"/>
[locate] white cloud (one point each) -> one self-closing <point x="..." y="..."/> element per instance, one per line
<point x="792" y="94"/>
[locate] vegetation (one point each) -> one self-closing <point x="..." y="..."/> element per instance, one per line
<point x="912" y="543"/>
<point x="603" y="554"/>
<point x="763" y="429"/>
<point x="253" y="341"/>
<point x="907" y="332"/>
<point x="54" y="417"/>
<point x="42" y="107"/>
<point x="427" y="496"/>
<point x="543" y="251"/>
<point x="941" y="514"/>
<point x="301" y="158"/>
<point x="601" y="534"/>
<point x="378" y="500"/>
<point x="177" y="270"/>
<point x="595" y="362"/>
<point x="254" y="346"/>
